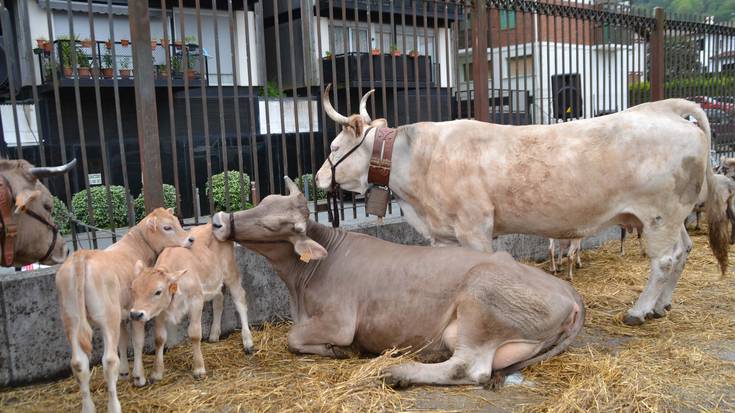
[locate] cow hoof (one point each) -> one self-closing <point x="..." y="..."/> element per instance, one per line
<point x="199" y="374"/>
<point x="667" y="307"/>
<point x="496" y="382"/>
<point x="337" y="352"/>
<point x="249" y="350"/>
<point x="155" y="378"/>
<point x="139" y="381"/>
<point x="395" y="381"/>
<point x="632" y="320"/>
<point x="213" y="339"/>
<point x="124" y="376"/>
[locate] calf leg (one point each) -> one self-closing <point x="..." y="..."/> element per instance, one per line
<point x="551" y="254"/>
<point x="195" y="335"/>
<point x="321" y="336"/>
<point x="238" y="297"/>
<point x="161" y="335"/>
<point x="138" y="328"/>
<point x="110" y="360"/>
<point x="217" y="307"/>
<point x="123" y="349"/>
<point x="80" y="368"/>
<point x="684" y="246"/>
<point x="622" y="240"/>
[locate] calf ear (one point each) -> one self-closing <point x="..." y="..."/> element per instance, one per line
<point x="24" y="198"/>
<point x="308" y="249"/>
<point x="151" y="224"/>
<point x="173" y="279"/>
<point x="138" y="267"/>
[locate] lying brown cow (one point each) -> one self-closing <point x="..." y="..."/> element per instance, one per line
<point x="29" y="233"/>
<point x="183" y="280"/>
<point x="351" y="291"/>
<point x="94" y="286"/>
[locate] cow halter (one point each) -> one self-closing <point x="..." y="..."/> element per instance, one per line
<point x="332" y="204"/>
<point x="9" y="230"/>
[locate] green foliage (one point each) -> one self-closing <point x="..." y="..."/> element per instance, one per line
<point x="169" y="201"/>
<point x="272" y="89"/>
<point x="721" y="9"/>
<point x="60" y="215"/>
<point x="701" y="84"/>
<point x="321" y="194"/>
<point x="100" y="206"/>
<point x="67" y="44"/>
<point x="217" y="188"/>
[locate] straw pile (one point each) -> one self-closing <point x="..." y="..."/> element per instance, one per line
<point x="683" y="362"/>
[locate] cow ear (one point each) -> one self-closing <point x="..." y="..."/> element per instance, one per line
<point x="308" y="249"/>
<point x="151" y="224"/>
<point x="170" y="211"/>
<point x="357" y="123"/>
<point x="139" y="266"/>
<point x="174" y="276"/>
<point x="24" y="198"/>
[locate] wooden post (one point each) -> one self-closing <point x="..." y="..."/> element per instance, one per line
<point x="479" y="60"/>
<point x="657" y="55"/>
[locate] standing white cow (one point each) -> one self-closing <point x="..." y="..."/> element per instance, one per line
<point x="642" y="167"/>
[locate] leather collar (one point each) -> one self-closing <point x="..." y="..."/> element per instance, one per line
<point x="380" y="161"/>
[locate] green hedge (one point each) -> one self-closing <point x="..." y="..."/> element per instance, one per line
<point x="233" y="181"/>
<point x="169" y="201"/>
<point x="60" y="215"/>
<point x="640" y="92"/>
<point x="321" y="194"/>
<point x="100" y="207"/>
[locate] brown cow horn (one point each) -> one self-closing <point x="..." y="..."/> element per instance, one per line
<point x="363" y="106"/>
<point x="45" y="171"/>
<point x="329" y="110"/>
<point x="292" y="188"/>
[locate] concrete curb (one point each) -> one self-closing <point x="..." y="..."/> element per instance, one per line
<point x="32" y="342"/>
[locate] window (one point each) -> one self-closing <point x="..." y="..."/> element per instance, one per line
<point x="357" y="39"/>
<point x="520" y="66"/>
<point x="467" y="75"/>
<point x="507" y="19"/>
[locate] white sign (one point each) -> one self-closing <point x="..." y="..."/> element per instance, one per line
<point x="95" y="179"/>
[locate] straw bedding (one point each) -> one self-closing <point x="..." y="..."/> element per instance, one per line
<point x="683" y="362"/>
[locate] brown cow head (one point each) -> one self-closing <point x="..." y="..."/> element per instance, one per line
<point x="30" y="206"/>
<point x="152" y="290"/>
<point x="161" y="229"/>
<point x="352" y="171"/>
<point x="277" y="218"/>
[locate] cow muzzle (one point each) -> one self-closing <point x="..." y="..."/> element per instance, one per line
<point x="137" y="315"/>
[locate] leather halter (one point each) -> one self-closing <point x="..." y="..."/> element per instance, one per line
<point x="9" y="230"/>
<point x="380" y="162"/>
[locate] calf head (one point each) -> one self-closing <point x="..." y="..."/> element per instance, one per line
<point x="27" y="208"/>
<point x="161" y="229"/>
<point x="351" y="148"/>
<point x="727" y="167"/>
<point x="277" y="219"/>
<point x="152" y="291"/>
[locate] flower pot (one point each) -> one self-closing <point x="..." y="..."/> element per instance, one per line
<point x="375" y="52"/>
<point x="86" y="43"/>
<point x="414" y="54"/>
<point x="177" y="44"/>
<point x="108" y="45"/>
<point x="154" y="44"/>
<point x="163" y="75"/>
<point x="84" y="72"/>
<point x="107" y="73"/>
<point x="125" y="73"/>
<point x="124" y="42"/>
<point x="191" y="74"/>
<point x="164" y="42"/>
<point x="68" y="72"/>
<point x="40" y="43"/>
<point x="396" y="53"/>
<point x="46" y="48"/>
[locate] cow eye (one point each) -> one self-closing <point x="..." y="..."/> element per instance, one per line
<point x="167" y="227"/>
<point x="49" y="207"/>
<point x="158" y="292"/>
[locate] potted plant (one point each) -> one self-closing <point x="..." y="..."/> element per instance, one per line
<point x="395" y="51"/>
<point x="177" y="44"/>
<point x="162" y="71"/>
<point x="414" y="53"/>
<point x="176" y="65"/>
<point x="87" y="43"/>
<point x="125" y="71"/>
<point x="191" y="71"/>
<point x="83" y="61"/>
<point x="164" y="42"/>
<point x="375" y="52"/>
<point x="49" y="69"/>
<point x="191" y="43"/>
<point x="108" y="44"/>
<point x="124" y="42"/>
<point x="328" y="55"/>
<point x="67" y="46"/>
<point x="107" y="70"/>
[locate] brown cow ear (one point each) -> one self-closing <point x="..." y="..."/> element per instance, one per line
<point x="358" y="124"/>
<point x="24" y="198"/>
<point x="308" y="249"/>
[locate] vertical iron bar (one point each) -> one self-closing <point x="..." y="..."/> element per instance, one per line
<point x="279" y="79"/>
<point x="171" y="114"/>
<point x="203" y="83"/>
<point x="236" y="97"/>
<point x="221" y="107"/>
<point x="479" y="60"/>
<point x="187" y="101"/>
<point x="657" y="55"/>
<point x="404" y="61"/>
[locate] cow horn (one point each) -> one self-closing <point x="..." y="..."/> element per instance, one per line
<point x="45" y="171"/>
<point x="292" y="188"/>
<point x="327" y="105"/>
<point x="363" y="106"/>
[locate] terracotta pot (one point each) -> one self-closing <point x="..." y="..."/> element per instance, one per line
<point x="191" y="74"/>
<point x="68" y="72"/>
<point x="125" y="73"/>
<point x="376" y="52"/>
<point x="164" y="42"/>
<point x="108" y="45"/>
<point x="414" y="54"/>
<point x="124" y="42"/>
<point x="86" y="43"/>
<point x="41" y="43"/>
<point x="84" y="72"/>
<point x="163" y="75"/>
<point x="154" y="44"/>
<point x="107" y="73"/>
<point x="46" y="47"/>
<point x="396" y="53"/>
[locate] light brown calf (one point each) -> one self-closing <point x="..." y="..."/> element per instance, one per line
<point x="95" y="286"/>
<point x="572" y="248"/>
<point x="182" y="281"/>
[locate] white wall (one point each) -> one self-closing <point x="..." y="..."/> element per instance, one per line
<point x="247" y="55"/>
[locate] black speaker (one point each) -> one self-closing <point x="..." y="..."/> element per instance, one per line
<point x="566" y="94"/>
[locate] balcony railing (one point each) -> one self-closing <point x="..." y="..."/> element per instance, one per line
<point x="106" y="65"/>
<point x="405" y="73"/>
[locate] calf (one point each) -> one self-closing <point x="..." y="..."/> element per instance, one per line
<point x="351" y="291"/>
<point x="94" y="286"/>
<point x="573" y="248"/>
<point x="725" y="190"/>
<point x="183" y="280"/>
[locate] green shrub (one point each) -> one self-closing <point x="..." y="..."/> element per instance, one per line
<point x="60" y="215"/>
<point x="169" y="201"/>
<point x="321" y="194"/>
<point x="233" y="181"/>
<point x="100" y="207"/>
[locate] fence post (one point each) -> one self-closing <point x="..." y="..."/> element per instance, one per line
<point x="145" y="105"/>
<point x="657" y="55"/>
<point x="479" y="59"/>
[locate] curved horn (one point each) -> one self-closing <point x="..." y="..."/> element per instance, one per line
<point x="327" y="105"/>
<point x="43" y="172"/>
<point x="363" y="106"/>
<point x="292" y="188"/>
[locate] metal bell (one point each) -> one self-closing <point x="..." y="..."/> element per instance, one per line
<point x="377" y="201"/>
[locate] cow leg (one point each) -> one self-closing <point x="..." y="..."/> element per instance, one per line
<point x="451" y="372"/>
<point x="622" y="240"/>
<point x="161" y="336"/>
<point x="110" y="360"/>
<point x="138" y="328"/>
<point x="551" y="254"/>
<point x="122" y="348"/>
<point x="321" y="336"/>
<point x="80" y="368"/>
<point x="682" y="253"/>
<point x="218" y="303"/>
<point x="662" y="245"/>
<point x="698" y="215"/>
<point x="195" y="335"/>
<point x="238" y="297"/>
<point x="472" y="234"/>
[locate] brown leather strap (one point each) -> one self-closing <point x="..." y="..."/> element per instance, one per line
<point x="380" y="161"/>
<point x="8" y="230"/>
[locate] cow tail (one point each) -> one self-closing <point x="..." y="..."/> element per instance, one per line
<point x="717" y="220"/>
<point x="71" y="279"/>
<point x="561" y="344"/>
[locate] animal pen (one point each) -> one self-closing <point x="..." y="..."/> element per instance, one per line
<point x="204" y="105"/>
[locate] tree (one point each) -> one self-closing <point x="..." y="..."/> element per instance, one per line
<point x="681" y="58"/>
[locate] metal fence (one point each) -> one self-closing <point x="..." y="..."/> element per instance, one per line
<point x="219" y="99"/>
